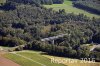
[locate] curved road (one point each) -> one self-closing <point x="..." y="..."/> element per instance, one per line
<point x="95" y="46"/>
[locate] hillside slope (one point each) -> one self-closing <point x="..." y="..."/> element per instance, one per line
<point x="68" y="6"/>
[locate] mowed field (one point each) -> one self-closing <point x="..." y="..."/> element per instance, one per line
<point x="35" y="58"/>
<point x="30" y="58"/>
<point x="73" y="62"/>
<point x="68" y="6"/>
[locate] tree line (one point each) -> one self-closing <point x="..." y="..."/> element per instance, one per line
<point x="88" y="5"/>
<point x="49" y="2"/>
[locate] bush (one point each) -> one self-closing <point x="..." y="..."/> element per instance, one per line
<point x="11" y="42"/>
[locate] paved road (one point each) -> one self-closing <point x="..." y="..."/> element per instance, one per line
<point x="95" y="46"/>
<point x="54" y="37"/>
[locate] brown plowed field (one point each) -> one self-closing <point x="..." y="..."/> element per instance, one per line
<point x="5" y="61"/>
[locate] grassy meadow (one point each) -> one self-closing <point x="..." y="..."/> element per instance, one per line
<point x="42" y="58"/>
<point x="78" y="63"/>
<point x="36" y="57"/>
<point x="2" y="1"/>
<point x="68" y="6"/>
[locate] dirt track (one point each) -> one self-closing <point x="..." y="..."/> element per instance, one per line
<point x="6" y="62"/>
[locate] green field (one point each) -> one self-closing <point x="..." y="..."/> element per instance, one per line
<point x="78" y="63"/>
<point x="2" y="1"/>
<point x="67" y="5"/>
<point x="32" y="58"/>
<point x="36" y="58"/>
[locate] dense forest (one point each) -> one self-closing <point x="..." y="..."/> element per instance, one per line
<point x="88" y="5"/>
<point x="26" y="24"/>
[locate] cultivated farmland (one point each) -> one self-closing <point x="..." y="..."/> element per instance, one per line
<point x="30" y="58"/>
<point x="36" y="58"/>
